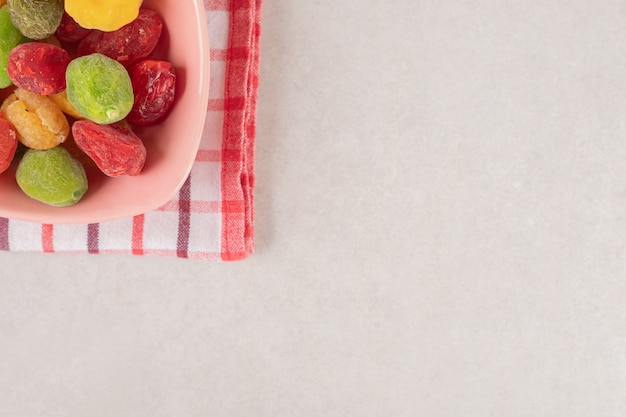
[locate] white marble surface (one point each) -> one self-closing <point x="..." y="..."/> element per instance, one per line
<point x="441" y="227"/>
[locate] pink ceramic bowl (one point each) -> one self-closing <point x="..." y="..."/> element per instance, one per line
<point x="171" y="145"/>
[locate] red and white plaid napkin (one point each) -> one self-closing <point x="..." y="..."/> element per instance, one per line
<point x="212" y="216"/>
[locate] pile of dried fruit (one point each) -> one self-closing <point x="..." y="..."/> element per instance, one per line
<point x="78" y="70"/>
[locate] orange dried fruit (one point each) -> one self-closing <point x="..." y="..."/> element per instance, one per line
<point x="40" y="124"/>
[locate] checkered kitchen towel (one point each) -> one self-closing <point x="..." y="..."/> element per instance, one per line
<point x="211" y="217"/>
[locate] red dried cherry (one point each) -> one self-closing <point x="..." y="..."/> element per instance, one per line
<point x="154" y="86"/>
<point x="38" y="67"/>
<point x="129" y="44"/>
<point x="8" y="144"/>
<point x="69" y="30"/>
<point x="115" y="150"/>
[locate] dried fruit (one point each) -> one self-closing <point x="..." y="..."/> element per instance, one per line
<point x="100" y="88"/>
<point x="129" y="44"/>
<point x="69" y="30"/>
<point x="52" y="176"/>
<point x="8" y="144"/>
<point x="106" y="15"/>
<point x="10" y="36"/>
<point x="40" y="124"/>
<point x="116" y="150"/>
<point x="154" y="85"/>
<point x="38" y="67"/>
<point x="36" y="19"/>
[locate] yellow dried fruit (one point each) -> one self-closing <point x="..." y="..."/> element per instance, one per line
<point x="105" y="15"/>
<point x="40" y="124"/>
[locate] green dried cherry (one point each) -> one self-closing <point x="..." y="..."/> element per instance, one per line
<point x="52" y="176"/>
<point x="10" y="37"/>
<point x="100" y="88"/>
<point x="36" y="19"/>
